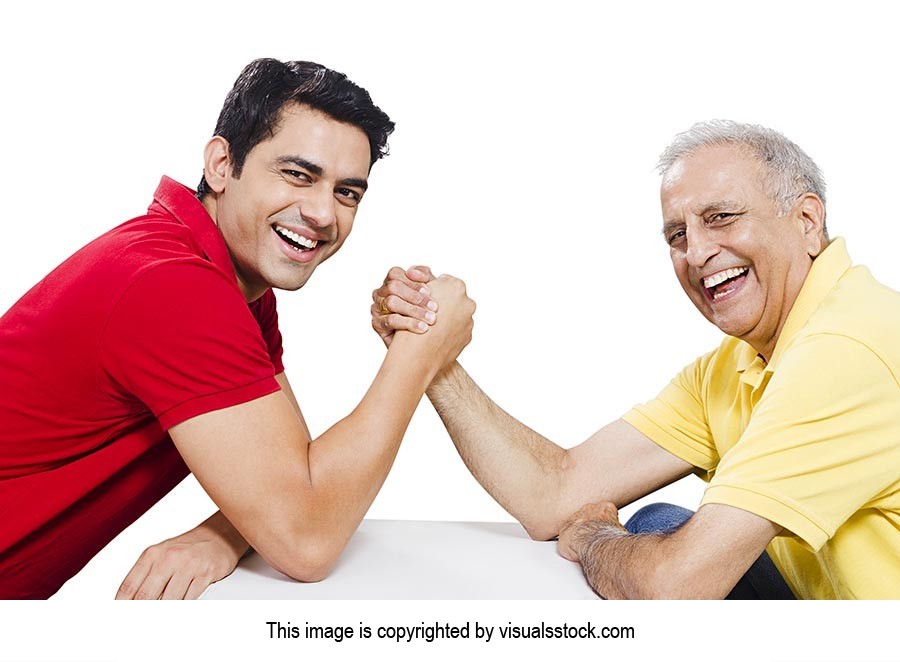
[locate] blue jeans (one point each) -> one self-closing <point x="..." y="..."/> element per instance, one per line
<point x="761" y="582"/>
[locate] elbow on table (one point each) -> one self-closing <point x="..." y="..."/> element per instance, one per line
<point x="308" y="566"/>
<point x="540" y="531"/>
<point x="549" y="506"/>
<point x="306" y="560"/>
<point x="540" y="520"/>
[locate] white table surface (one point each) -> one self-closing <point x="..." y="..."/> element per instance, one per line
<point x="421" y="560"/>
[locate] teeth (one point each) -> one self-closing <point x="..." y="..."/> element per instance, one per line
<point x="296" y="238"/>
<point x="722" y="276"/>
<point x="723" y="293"/>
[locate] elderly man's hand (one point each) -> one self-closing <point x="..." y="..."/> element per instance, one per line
<point x="181" y="568"/>
<point x="583" y="526"/>
<point x="403" y="303"/>
<point x="453" y="331"/>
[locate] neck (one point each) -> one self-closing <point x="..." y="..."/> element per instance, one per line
<point x="209" y="204"/>
<point x="765" y="347"/>
<point x="250" y="293"/>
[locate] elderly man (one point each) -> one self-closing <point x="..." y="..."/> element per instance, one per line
<point x="154" y="351"/>
<point x="794" y="419"/>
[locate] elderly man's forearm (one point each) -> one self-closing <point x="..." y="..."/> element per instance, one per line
<point x="518" y="467"/>
<point x="607" y="554"/>
<point x="623" y="566"/>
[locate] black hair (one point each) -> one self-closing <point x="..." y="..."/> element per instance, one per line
<point x="253" y="107"/>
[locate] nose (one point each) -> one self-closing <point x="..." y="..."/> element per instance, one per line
<point x="318" y="208"/>
<point x="701" y="245"/>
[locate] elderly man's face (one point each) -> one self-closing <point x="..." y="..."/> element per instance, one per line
<point x="739" y="259"/>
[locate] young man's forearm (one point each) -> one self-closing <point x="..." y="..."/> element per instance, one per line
<point x="350" y="461"/>
<point x="218" y="525"/>
<point x="521" y="469"/>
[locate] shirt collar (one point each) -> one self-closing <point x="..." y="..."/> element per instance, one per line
<point x="182" y="203"/>
<point x="746" y="356"/>
<point x="827" y="269"/>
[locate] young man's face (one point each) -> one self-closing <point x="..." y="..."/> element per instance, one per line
<point x="293" y="205"/>
<point x="740" y="259"/>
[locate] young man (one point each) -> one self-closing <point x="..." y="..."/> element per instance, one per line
<point x="154" y="351"/>
<point x="793" y="419"/>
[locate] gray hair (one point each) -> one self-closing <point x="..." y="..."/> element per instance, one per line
<point x="790" y="171"/>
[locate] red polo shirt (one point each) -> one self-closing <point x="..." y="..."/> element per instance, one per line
<point x="141" y="329"/>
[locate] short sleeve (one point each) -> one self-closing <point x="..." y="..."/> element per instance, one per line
<point x="821" y="443"/>
<point x="183" y="341"/>
<point x="677" y="419"/>
<point x="266" y="314"/>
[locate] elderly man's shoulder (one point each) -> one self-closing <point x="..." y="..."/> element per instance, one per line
<point x="861" y="309"/>
<point x="858" y="303"/>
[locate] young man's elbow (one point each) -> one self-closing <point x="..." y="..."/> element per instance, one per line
<point x="307" y="556"/>
<point x="309" y="565"/>
<point x="308" y="573"/>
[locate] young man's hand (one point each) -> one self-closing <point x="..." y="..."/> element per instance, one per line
<point x="181" y="568"/>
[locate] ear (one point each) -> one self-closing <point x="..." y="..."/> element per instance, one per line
<point x="810" y="211"/>
<point x="216" y="163"/>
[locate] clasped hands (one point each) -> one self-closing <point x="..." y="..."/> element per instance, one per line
<point x="437" y="309"/>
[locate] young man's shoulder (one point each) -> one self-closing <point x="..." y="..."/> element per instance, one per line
<point x="137" y="246"/>
<point x="106" y="267"/>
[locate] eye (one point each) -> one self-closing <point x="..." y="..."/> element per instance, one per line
<point x="348" y="195"/>
<point x="722" y="217"/>
<point x="675" y="237"/>
<point x="298" y="175"/>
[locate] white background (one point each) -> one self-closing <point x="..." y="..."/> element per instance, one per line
<point x="522" y="162"/>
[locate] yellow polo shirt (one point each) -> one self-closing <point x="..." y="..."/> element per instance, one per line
<point x="811" y="440"/>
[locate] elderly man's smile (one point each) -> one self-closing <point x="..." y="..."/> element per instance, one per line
<point x="723" y="284"/>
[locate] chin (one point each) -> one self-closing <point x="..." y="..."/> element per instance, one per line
<point x="735" y="328"/>
<point x="290" y="286"/>
<point x="288" y="281"/>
